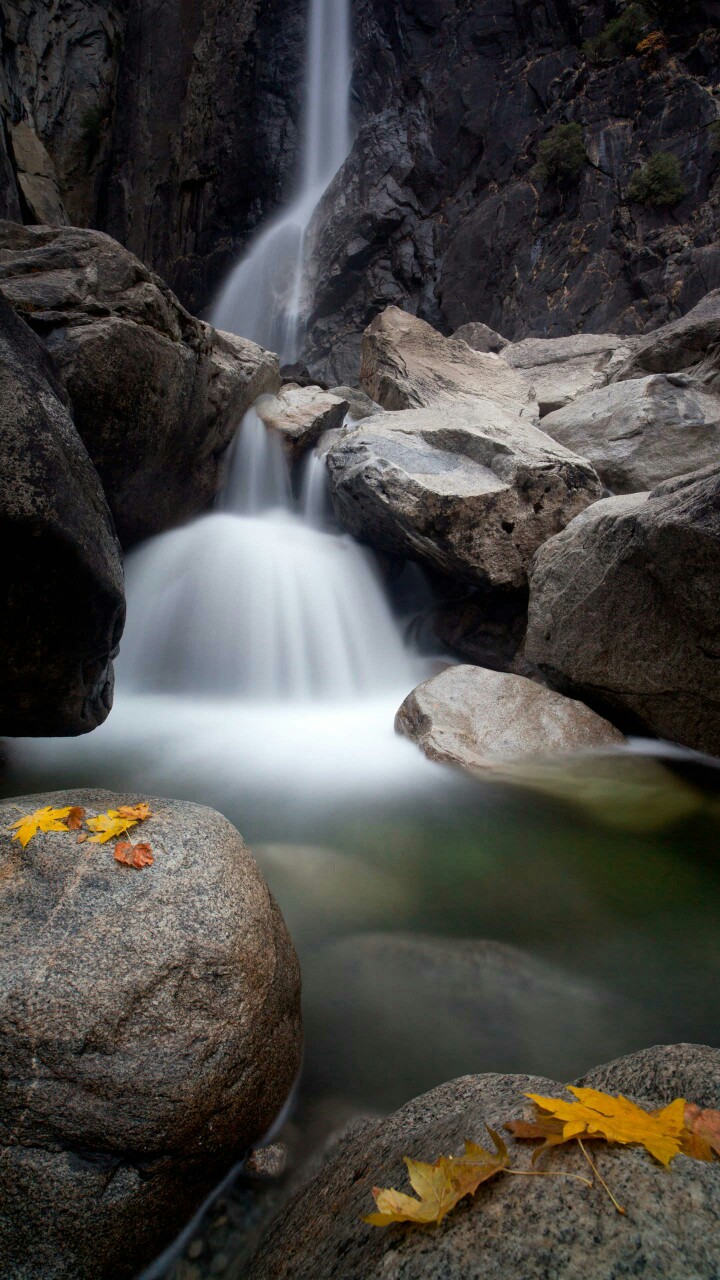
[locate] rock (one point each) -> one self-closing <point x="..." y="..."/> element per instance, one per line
<point x="637" y="434"/>
<point x="559" y="370"/>
<point x="480" y="337"/>
<point x="408" y="365"/>
<point x="359" y="405"/>
<point x="683" y="344"/>
<point x="514" y="1228"/>
<point x="150" y="1033"/>
<point x="662" y="1073"/>
<point x="301" y="415"/>
<point x="470" y="489"/>
<point x="36" y="175"/>
<point x="475" y="718"/>
<point x="157" y="395"/>
<point x="485" y="627"/>
<point x="61" y="574"/>
<point x="392" y="1014"/>
<point x="625" y="609"/>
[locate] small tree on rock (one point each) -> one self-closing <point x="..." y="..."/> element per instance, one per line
<point x="561" y="156"/>
<point x="659" y="182"/>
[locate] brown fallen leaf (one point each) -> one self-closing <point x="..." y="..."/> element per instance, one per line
<point x="616" y="1119"/>
<point x="702" y="1133"/>
<point x="138" y="812"/>
<point x="47" y="819"/>
<point x="439" y="1186"/>
<point x="82" y="837"/>
<point x="134" y="855"/>
<point x="74" y="819"/>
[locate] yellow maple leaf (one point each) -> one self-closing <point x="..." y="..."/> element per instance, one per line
<point x="616" y="1119"/>
<point x="110" y="825"/>
<point x="439" y="1186"/>
<point x="47" y="819"/>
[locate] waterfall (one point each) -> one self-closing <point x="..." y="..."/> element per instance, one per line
<point x="264" y="297"/>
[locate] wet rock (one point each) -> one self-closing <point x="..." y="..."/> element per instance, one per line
<point x="508" y="1231"/>
<point x="480" y="337"/>
<point x="637" y="434"/>
<point x="470" y="489"/>
<point x="625" y="609"/>
<point x="157" y="395"/>
<point x="60" y="568"/>
<point x="560" y="369"/>
<point x="150" y="1033"/>
<point x="408" y="365"/>
<point x="472" y="717"/>
<point x="301" y="415"/>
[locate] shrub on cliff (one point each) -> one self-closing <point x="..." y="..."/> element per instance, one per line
<point x="621" y="37"/>
<point x="561" y="155"/>
<point x="659" y="182"/>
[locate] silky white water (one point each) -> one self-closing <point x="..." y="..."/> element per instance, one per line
<point x="264" y="297"/>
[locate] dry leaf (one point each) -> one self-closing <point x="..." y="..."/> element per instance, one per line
<point x="701" y="1138"/>
<point x="138" y="812"/>
<point x="75" y="818"/>
<point x="134" y="855"/>
<point x="439" y="1186"/>
<point x="47" y="819"/>
<point x="110" y="825"/>
<point x="616" y="1119"/>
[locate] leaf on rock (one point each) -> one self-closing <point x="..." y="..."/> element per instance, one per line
<point x="75" y="817"/>
<point x="701" y="1138"/>
<point x="110" y="825"/>
<point x="439" y="1186"/>
<point x="134" y="855"/>
<point x="138" y="812"/>
<point x="47" y="819"/>
<point x="616" y="1119"/>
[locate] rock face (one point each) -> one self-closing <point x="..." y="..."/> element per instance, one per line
<point x="408" y="365"/>
<point x="625" y="609"/>
<point x="471" y="490"/>
<point x="476" y="718"/>
<point x="514" y="1228"/>
<point x="60" y="568"/>
<point x="561" y="369"/>
<point x="157" y="395"/>
<point x="684" y="344"/>
<point x="301" y="415"/>
<point x="149" y="1032"/>
<point x="436" y="1007"/>
<point x="480" y="337"/>
<point x="637" y="434"/>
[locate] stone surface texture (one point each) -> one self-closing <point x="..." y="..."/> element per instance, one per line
<point x="625" y="609"/>
<point x="467" y="488"/>
<point x="514" y="1228"/>
<point x="560" y="369"/>
<point x="149" y="1033"/>
<point x="301" y="415"/>
<point x="637" y="434"/>
<point x="60" y="568"/>
<point x="480" y="337"/>
<point x="157" y="395"/>
<point x="475" y="718"/>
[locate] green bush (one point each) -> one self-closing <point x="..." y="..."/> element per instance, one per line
<point x="659" y="182"/>
<point x="561" y="156"/>
<point x="621" y="37"/>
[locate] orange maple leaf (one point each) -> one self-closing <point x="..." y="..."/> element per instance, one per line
<point x="138" y="812"/>
<point x="74" y="819"/>
<point x="134" y="855"/>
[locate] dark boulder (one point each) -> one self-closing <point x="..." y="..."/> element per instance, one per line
<point x="60" y="569"/>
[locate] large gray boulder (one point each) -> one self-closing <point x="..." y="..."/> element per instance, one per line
<point x="300" y="415"/>
<point x="392" y="1014"/>
<point x="689" y="343"/>
<point x="480" y="337"/>
<point x="637" y="434"/>
<point x="476" y="718"/>
<point x="60" y="570"/>
<point x="406" y="364"/>
<point x="149" y="1033"/>
<point x="625" y="609"/>
<point x="514" y="1228"/>
<point x="157" y="395"/>
<point x="558" y="370"/>
<point x="470" y="489"/>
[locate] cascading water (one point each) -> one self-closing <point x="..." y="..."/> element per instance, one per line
<point x="264" y="297"/>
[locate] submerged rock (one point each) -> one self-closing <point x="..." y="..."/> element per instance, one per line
<point x="559" y="370"/>
<point x="301" y="415"/>
<point x="60" y="568"/>
<point x="475" y="718"/>
<point x="157" y="395"/>
<point x="406" y="364"/>
<point x="470" y="489"/>
<point x="149" y="1033"/>
<point x="625" y="609"/>
<point x="637" y="434"/>
<point x="514" y="1228"/>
